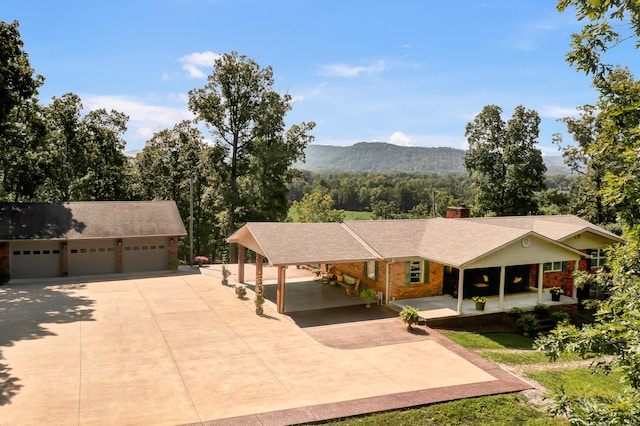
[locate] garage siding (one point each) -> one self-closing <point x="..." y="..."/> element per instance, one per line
<point x="145" y="254"/>
<point x="35" y="259"/>
<point x="92" y="257"/>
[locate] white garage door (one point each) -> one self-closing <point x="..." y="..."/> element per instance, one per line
<point x="92" y="257"/>
<point x="145" y="254"/>
<point x="35" y="259"/>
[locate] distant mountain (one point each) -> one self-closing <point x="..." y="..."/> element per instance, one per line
<point x="386" y="158"/>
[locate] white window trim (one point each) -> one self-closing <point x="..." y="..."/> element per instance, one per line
<point x="552" y="267"/>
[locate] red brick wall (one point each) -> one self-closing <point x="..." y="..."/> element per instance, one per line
<point x="397" y="288"/>
<point x="458" y="212"/>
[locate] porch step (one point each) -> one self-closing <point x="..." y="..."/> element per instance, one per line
<point x="544" y="323"/>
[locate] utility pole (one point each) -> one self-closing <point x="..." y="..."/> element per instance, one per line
<point x="191" y="220"/>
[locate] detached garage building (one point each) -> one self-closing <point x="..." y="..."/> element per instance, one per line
<point x="83" y="238"/>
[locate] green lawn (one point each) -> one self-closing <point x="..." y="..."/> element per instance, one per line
<point x="495" y="410"/>
<point x="579" y="382"/>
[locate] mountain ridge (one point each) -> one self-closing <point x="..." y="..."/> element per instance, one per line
<point x="384" y="157"/>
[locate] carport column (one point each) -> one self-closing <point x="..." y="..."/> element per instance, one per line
<point x="501" y="294"/>
<point x="281" y="291"/>
<point x="119" y="256"/>
<point x="460" y="290"/>
<point x="240" y="263"/>
<point x="540" y="280"/>
<point x="259" y="261"/>
<point x="64" y="258"/>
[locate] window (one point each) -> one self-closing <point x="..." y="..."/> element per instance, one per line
<point x="555" y="267"/>
<point x="598" y="258"/>
<point x="417" y="272"/>
<point x="371" y="270"/>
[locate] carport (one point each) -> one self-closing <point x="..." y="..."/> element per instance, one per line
<point x="292" y="244"/>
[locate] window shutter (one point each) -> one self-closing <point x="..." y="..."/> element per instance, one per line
<point x="407" y="273"/>
<point x="426" y="265"/>
<point x="376" y="271"/>
<point x="589" y="252"/>
<point x="366" y="269"/>
<point x="564" y="266"/>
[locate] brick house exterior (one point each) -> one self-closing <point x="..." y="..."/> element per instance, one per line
<point x="432" y="257"/>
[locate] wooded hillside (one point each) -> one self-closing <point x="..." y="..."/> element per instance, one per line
<point x="386" y="158"/>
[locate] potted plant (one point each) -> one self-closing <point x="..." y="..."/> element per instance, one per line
<point x="555" y="293"/>
<point x="409" y="315"/>
<point x="199" y="260"/>
<point x="527" y="323"/>
<point x="225" y="275"/>
<point x="369" y="296"/>
<point x="174" y="263"/>
<point x="480" y="302"/>
<point x="259" y="300"/>
<point x="241" y="291"/>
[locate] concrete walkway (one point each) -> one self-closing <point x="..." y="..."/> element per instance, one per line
<point x="183" y="349"/>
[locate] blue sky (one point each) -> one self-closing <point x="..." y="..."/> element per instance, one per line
<point x="409" y="72"/>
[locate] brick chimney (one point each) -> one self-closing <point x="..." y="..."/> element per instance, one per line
<point x="458" y="212"/>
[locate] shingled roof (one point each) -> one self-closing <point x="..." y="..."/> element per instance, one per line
<point x="454" y="242"/>
<point x="89" y="220"/>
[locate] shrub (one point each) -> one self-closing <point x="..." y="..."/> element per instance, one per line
<point x="409" y="315"/>
<point x="527" y="323"/>
<point x="516" y="312"/>
<point x="541" y="308"/>
<point x="5" y="276"/>
<point x="479" y="299"/>
<point x="560" y="316"/>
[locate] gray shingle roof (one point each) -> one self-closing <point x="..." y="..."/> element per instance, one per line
<point x="451" y="242"/>
<point x="89" y="220"/>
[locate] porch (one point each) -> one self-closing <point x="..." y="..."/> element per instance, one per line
<point x="446" y="306"/>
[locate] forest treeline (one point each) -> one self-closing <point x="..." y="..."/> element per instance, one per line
<point x="390" y="195"/>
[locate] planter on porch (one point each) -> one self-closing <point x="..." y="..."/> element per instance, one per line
<point x="480" y="302"/>
<point x="555" y="293"/>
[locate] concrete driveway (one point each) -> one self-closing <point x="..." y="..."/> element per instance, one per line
<point x="182" y="348"/>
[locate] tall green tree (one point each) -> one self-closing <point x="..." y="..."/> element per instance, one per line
<point x="316" y="207"/>
<point x="175" y="164"/>
<point x="614" y="338"/>
<point x="246" y="117"/>
<point x="22" y="131"/>
<point x="505" y="166"/>
<point x="587" y="198"/>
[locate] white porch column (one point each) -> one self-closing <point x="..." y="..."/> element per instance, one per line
<point x="460" y="289"/>
<point x="574" y="289"/>
<point x="540" y="280"/>
<point x="502" y="278"/>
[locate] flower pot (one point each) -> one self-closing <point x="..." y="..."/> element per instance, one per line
<point x="555" y="297"/>
<point x="225" y="281"/>
<point x="241" y="291"/>
<point x="480" y="306"/>
<point x="259" y="310"/>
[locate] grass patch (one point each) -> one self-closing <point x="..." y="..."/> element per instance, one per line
<point x="579" y="382"/>
<point x="351" y="215"/>
<point x="505" y="348"/>
<point x="494" y="410"/>
<point x="491" y="340"/>
<point x="523" y="357"/>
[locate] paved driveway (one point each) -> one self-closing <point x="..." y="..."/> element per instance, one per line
<point x="181" y="348"/>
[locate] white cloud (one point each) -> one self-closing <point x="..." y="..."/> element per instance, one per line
<point x="399" y="138"/>
<point x="342" y="70"/>
<point x="558" y="112"/>
<point x="144" y="118"/>
<point x="193" y="63"/>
